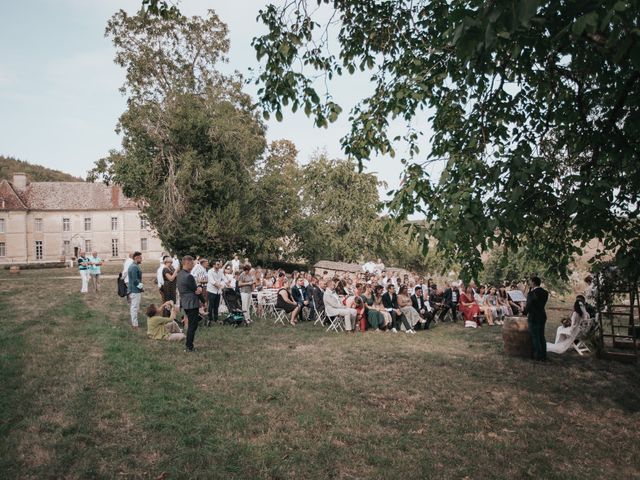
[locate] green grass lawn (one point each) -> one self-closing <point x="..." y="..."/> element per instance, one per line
<point x="84" y="396"/>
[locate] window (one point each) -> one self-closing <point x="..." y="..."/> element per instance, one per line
<point x="87" y="224"/>
<point x="1" y="225"/>
<point x="66" y="225"/>
<point x="38" y="224"/>
<point x="114" y="224"/>
<point x="143" y="244"/>
<point x="3" y="251"/>
<point x="38" y="250"/>
<point x="66" y="247"/>
<point x="114" y="247"/>
<point x="144" y="223"/>
<point x="87" y="246"/>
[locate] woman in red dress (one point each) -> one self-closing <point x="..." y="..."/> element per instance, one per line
<point x="468" y="305"/>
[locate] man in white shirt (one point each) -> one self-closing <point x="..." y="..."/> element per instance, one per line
<point x="175" y="263"/>
<point x="215" y="284"/>
<point x="160" y="277"/>
<point x="235" y="264"/>
<point x="125" y="269"/>
<point x="200" y="270"/>
<point x="369" y="267"/>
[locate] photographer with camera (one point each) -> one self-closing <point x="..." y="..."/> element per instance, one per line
<point x="162" y="327"/>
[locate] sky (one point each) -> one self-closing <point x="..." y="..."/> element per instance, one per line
<point x="59" y="98"/>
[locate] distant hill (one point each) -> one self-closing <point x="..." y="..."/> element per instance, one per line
<point x="35" y="173"/>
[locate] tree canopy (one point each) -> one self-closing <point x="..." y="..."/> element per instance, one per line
<point x="533" y="106"/>
<point x="341" y="212"/>
<point x="191" y="137"/>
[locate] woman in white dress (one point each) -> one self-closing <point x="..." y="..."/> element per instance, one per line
<point x="579" y="314"/>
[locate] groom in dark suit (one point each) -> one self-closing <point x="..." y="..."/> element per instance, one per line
<point x="537" y="318"/>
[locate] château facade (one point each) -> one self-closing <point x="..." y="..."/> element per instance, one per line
<point x="52" y="221"/>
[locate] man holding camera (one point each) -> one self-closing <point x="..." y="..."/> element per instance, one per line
<point x="189" y="299"/>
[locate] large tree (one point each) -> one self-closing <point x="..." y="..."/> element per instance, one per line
<point x="191" y="137"/>
<point x="278" y="195"/>
<point x="533" y="107"/>
<point x="340" y="215"/>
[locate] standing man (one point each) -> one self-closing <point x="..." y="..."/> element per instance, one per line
<point x="136" y="288"/>
<point x="83" y="267"/>
<point x="235" y="264"/>
<point x="189" y="299"/>
<point x="537" y="318"/>
<point x="215" y="284"/>
<point x="94" y="271"/>
<point x="125" y="268"/>
<point x="160" y="277"/>
<point x="245" y="284"/>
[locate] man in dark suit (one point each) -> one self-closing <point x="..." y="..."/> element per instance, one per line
<point x="422" y="306"/>
<point x="451" y="298"/>
<point x="300" y="294"/>
<point x="315" y="293"/>
<point x="390" y="302"/>
<point x="537" y="318"/>
<point x="189" y="298"/>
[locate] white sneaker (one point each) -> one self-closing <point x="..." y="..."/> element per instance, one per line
<point x="413" y="332"/>
<point x="393" y="330"/>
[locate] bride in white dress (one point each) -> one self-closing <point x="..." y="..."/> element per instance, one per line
<point x="565" y="336"/>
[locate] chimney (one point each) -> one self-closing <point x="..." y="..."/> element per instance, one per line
<point x="115" y="196"/>
<point x="20" y="181"/>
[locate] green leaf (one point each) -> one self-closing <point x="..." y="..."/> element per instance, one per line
<point x="586" y="20"/>
<point x="620" y="6"/>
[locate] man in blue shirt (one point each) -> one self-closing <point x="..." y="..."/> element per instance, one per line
<point x="135" y="288"/>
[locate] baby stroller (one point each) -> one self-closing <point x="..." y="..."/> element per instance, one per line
<point x="233" y="302"/>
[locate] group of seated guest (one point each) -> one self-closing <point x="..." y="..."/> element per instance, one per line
<point x="488" y="304"/>
<point x="374" y="299"/>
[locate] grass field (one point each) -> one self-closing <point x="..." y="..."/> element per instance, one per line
<point x="84" y="396"/>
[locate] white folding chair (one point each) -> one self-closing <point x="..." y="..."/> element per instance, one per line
<point x="253" y="306"/>
<point x="336" y="323"/>
<point x="321" y="317"/>
<point x="280" y="316"/>
<point x="578" y="344"/>
<point x="269" y="304"/>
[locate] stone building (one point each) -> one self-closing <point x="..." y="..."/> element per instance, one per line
<point x="46" y="221"/>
